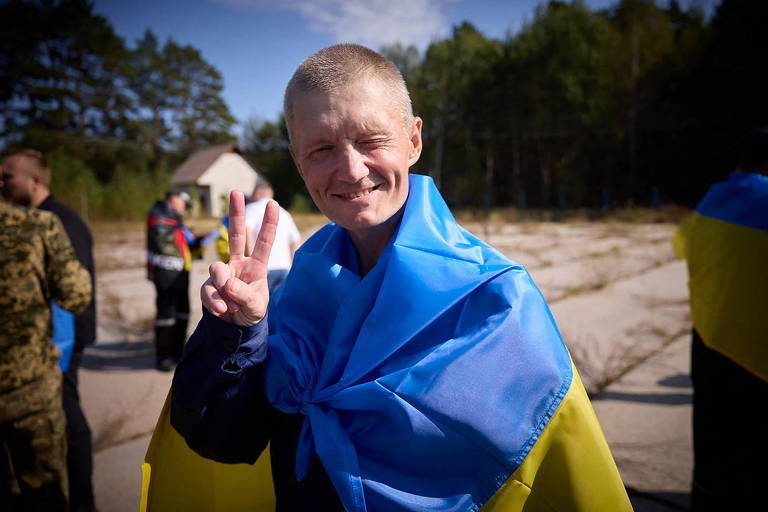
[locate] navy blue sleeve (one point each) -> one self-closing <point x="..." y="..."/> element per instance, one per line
<point x="217" y="399"/>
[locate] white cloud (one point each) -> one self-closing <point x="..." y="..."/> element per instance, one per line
<point x="373" y="23"/>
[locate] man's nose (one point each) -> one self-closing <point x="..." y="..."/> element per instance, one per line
<point x="351" y="166"/>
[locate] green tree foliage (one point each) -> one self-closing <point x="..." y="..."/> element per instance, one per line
<point x="580" y="107"/>
<point x="63" y="69"/>
<point x="71" y="87"/>
<point x="150" y="80"/>
<point x="561" y="103"/>
<point x="585" y="107"/>
<point x="200" y="113"/>
<point x="630" y="104"/>
<point x="456" y="95"/>
<point x="719" y="93"/>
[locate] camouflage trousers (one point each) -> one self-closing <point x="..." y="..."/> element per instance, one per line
<point x="33" y="428"/>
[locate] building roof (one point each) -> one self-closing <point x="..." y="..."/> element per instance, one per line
<point x="199" y="162"/>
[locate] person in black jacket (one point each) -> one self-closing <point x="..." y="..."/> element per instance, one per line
<point x="27" y="181"/>
<point x="169" y="258"/>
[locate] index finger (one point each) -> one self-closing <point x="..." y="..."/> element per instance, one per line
<point x="236" y="225"/>
<point x="266" y="238"/>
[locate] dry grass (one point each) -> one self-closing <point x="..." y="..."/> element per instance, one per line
<point x="654" y="302"/>
<point x="598" y="371"/>
<point x="598" y="275"/>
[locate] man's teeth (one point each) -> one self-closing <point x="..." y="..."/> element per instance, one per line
<point x="355" y="195"/>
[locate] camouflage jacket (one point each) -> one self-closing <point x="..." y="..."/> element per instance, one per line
<point x="37" y="264"/>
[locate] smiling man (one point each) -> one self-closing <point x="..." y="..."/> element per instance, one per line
<point x="404" y="365"/>
<point x="353" y="145"/>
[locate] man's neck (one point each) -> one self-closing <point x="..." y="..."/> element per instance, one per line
<point x="370" y="243"/>
<point x="37" y="199"/>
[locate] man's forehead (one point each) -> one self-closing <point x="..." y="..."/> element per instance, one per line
<point x="14" y="163"/>
<point x="348" y="105"/>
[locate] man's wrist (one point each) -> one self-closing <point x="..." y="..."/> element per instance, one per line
<point x="246" y="345"/>
<point x="238" y="334"/>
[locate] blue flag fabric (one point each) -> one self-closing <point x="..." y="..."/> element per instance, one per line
<point x="742" y="200"/>
<point x="426" y="383"/>
<point x="63" y="323"/>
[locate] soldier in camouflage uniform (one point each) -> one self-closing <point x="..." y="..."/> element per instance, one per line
<point x="37" y="264"/>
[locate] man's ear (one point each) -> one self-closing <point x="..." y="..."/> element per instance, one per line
<point x="415" y="139"/>
<point x="295" y="161"/>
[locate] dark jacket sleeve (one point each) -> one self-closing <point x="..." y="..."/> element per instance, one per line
<point x="82" y="242"/>
<point x="217" y="400"/>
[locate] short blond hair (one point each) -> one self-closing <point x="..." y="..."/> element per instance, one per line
<point x="39" y="162"/>
<point x="337" y="66"/>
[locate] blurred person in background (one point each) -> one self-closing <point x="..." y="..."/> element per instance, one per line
<point x="725" y="243"/>
<point x="170" y="247"/>
<point x="37" y="265"/>
<point x="287" y="236"/>
<point x="27" y="181"/>
<point x="219" y="238"/>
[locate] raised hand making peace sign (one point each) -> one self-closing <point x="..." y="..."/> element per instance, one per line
<point x="237" y="291"/>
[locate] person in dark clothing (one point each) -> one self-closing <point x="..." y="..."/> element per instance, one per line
<point x="27" y="182"/>
<point x="169" y="258"/>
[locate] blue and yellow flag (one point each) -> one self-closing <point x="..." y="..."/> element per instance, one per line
<point x="726" y="245"/>
<point x="438" y="381"/>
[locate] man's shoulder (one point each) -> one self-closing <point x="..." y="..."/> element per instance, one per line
<point x="11" y="214"/>
<point x="159" y="210"/>
<point x="24" y="230"/>
<point x="161" y="215"/>
<point x="27" y="218"/>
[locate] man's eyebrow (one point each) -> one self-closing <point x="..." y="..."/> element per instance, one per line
<point x="318" y="141"/>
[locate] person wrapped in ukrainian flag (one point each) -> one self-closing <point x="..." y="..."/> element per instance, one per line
<point x="725" y="243"/>
<point x="404" y="365"/>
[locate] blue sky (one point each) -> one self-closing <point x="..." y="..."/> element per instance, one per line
<point x="257" y="44"/>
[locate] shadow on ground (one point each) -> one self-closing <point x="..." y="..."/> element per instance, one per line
<point x="681" y="380"/>
<point x="120" y="355"/>
<point x="659" y="501"/>
<point x="647" y="398"/>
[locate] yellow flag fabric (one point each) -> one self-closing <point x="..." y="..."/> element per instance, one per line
<point x="222" y="242"/>
<point x="728" y="285"/>
<point x="569" y="469"/>
<point x="174" y="478"/>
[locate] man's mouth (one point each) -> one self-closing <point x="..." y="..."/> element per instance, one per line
<point x="359" y="193"/>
